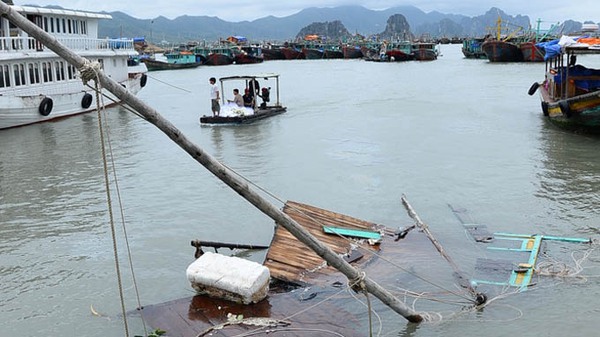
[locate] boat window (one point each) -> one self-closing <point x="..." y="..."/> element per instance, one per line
<point x="64" y="26"/>
<point x="19" y="72"/>
<point x="60" y="70"/>
<point x="70" y="26"/>
<point x="34" y="73"/>
<point x="4" y="76"/>
<point x="47" y="71"/>
<point x="52" y="25"/>
<point x="75" y="26"/>
<point x="84" y="27"/>
<point x="45" y="24"/>
<point x="71" y="72"/>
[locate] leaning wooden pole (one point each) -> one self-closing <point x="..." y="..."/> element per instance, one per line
<point x="480" y="298"/>
<point x="215" y="167"/>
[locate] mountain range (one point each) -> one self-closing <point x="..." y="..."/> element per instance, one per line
<point x="356" y="19"/>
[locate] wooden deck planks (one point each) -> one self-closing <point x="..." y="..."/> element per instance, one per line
<point x="288" y="259"/>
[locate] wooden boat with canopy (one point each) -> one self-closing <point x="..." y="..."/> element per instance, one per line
<point x="570" y="91"/>
<point x="259" y="87"/>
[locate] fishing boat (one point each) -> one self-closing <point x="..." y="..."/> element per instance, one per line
<point x="570" y="92"/>
<point x="471" y="48"/>
<point x="174" y="60"/>
<point x="248" y="55"/>
<point x="352" y="51"/>
<point x="425" y="51"/>
<point x="37" y="85"/>
<point x="503" y="48"/>
<point x="531" y="52"/>
<point x="233" y="114"/>
<point x="272" y="52"/>
<point x="292" y="51"/>
<point x="502" y="51"/>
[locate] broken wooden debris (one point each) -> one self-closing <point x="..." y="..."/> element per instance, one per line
<point x="199" y="244"/>
<point x="355" y="233"/>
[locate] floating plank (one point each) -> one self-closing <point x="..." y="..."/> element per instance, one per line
<point x="352" y="233"/>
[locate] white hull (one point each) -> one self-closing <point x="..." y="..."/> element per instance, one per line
<point x="25" y="110"/>
<point x="36" y="85"/>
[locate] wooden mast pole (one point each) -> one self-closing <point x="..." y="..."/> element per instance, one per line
<point x="215" y="167"/>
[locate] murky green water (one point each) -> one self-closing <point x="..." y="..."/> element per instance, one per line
<point x="357" y="135"/>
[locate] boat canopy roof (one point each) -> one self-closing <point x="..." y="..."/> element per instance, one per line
<point x="63" y="12"/>
<point x="249" y="77"/>
<point x="570" y="45"/>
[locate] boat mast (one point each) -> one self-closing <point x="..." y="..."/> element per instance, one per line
<point x="215" y="167"/>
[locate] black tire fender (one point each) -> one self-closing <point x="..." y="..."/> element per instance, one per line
<point x="565" y="108"/>
<point x="46" y="106"/>
<point x="86" y="101"/>
<point x="545" y="108"/>
<point x="534" y="87"/>
<point x="143" y="80"/>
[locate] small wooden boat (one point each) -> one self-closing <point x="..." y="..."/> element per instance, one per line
<point x="232" y="114"/>
<point x="570" y="92"/>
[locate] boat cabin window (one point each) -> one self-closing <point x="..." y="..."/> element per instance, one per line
<point x="19" y="72"/>
<point x="71" y="72"/>
<point x="64" y="25"/>
<point x="4" y="76"/>
<point x="34" y="73"/>
<point x="47" y="71"/>
<point x="60" y="70"/>
<point x="51" y="25"/>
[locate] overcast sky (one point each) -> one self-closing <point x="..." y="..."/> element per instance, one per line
<point x="238" y="10"/>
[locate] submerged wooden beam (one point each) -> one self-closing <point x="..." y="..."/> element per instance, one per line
<point x="199" y="244"/>
<point x="215" y="167"/>
<point x="480" y="298"/>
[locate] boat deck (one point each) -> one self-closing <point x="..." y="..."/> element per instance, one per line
<point x="325" y="305"/>
<point x="258" y="115"/>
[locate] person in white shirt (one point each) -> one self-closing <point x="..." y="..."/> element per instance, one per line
<point x="214" y="97"/>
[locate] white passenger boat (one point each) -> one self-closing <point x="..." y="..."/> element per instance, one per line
<point x="37" y="85"/>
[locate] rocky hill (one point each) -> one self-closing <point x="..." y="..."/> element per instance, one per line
<point x="355" y="19"/>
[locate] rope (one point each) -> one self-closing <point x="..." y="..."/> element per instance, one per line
<point x="126" y="237"/>
<point x="87" y="70"/>
<point x="171" y="85"/>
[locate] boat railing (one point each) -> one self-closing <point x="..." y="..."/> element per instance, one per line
<point x="10" y="44"/>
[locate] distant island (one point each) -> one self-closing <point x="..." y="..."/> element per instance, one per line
<point x="356" y="19"/>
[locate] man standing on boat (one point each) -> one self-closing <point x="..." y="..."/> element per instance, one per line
<point x="214" y="97"/>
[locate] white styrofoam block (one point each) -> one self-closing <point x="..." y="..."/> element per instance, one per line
<point x="246" y="278"/>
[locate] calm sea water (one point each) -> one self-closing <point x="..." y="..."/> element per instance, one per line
<point x="357" y="135"/>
